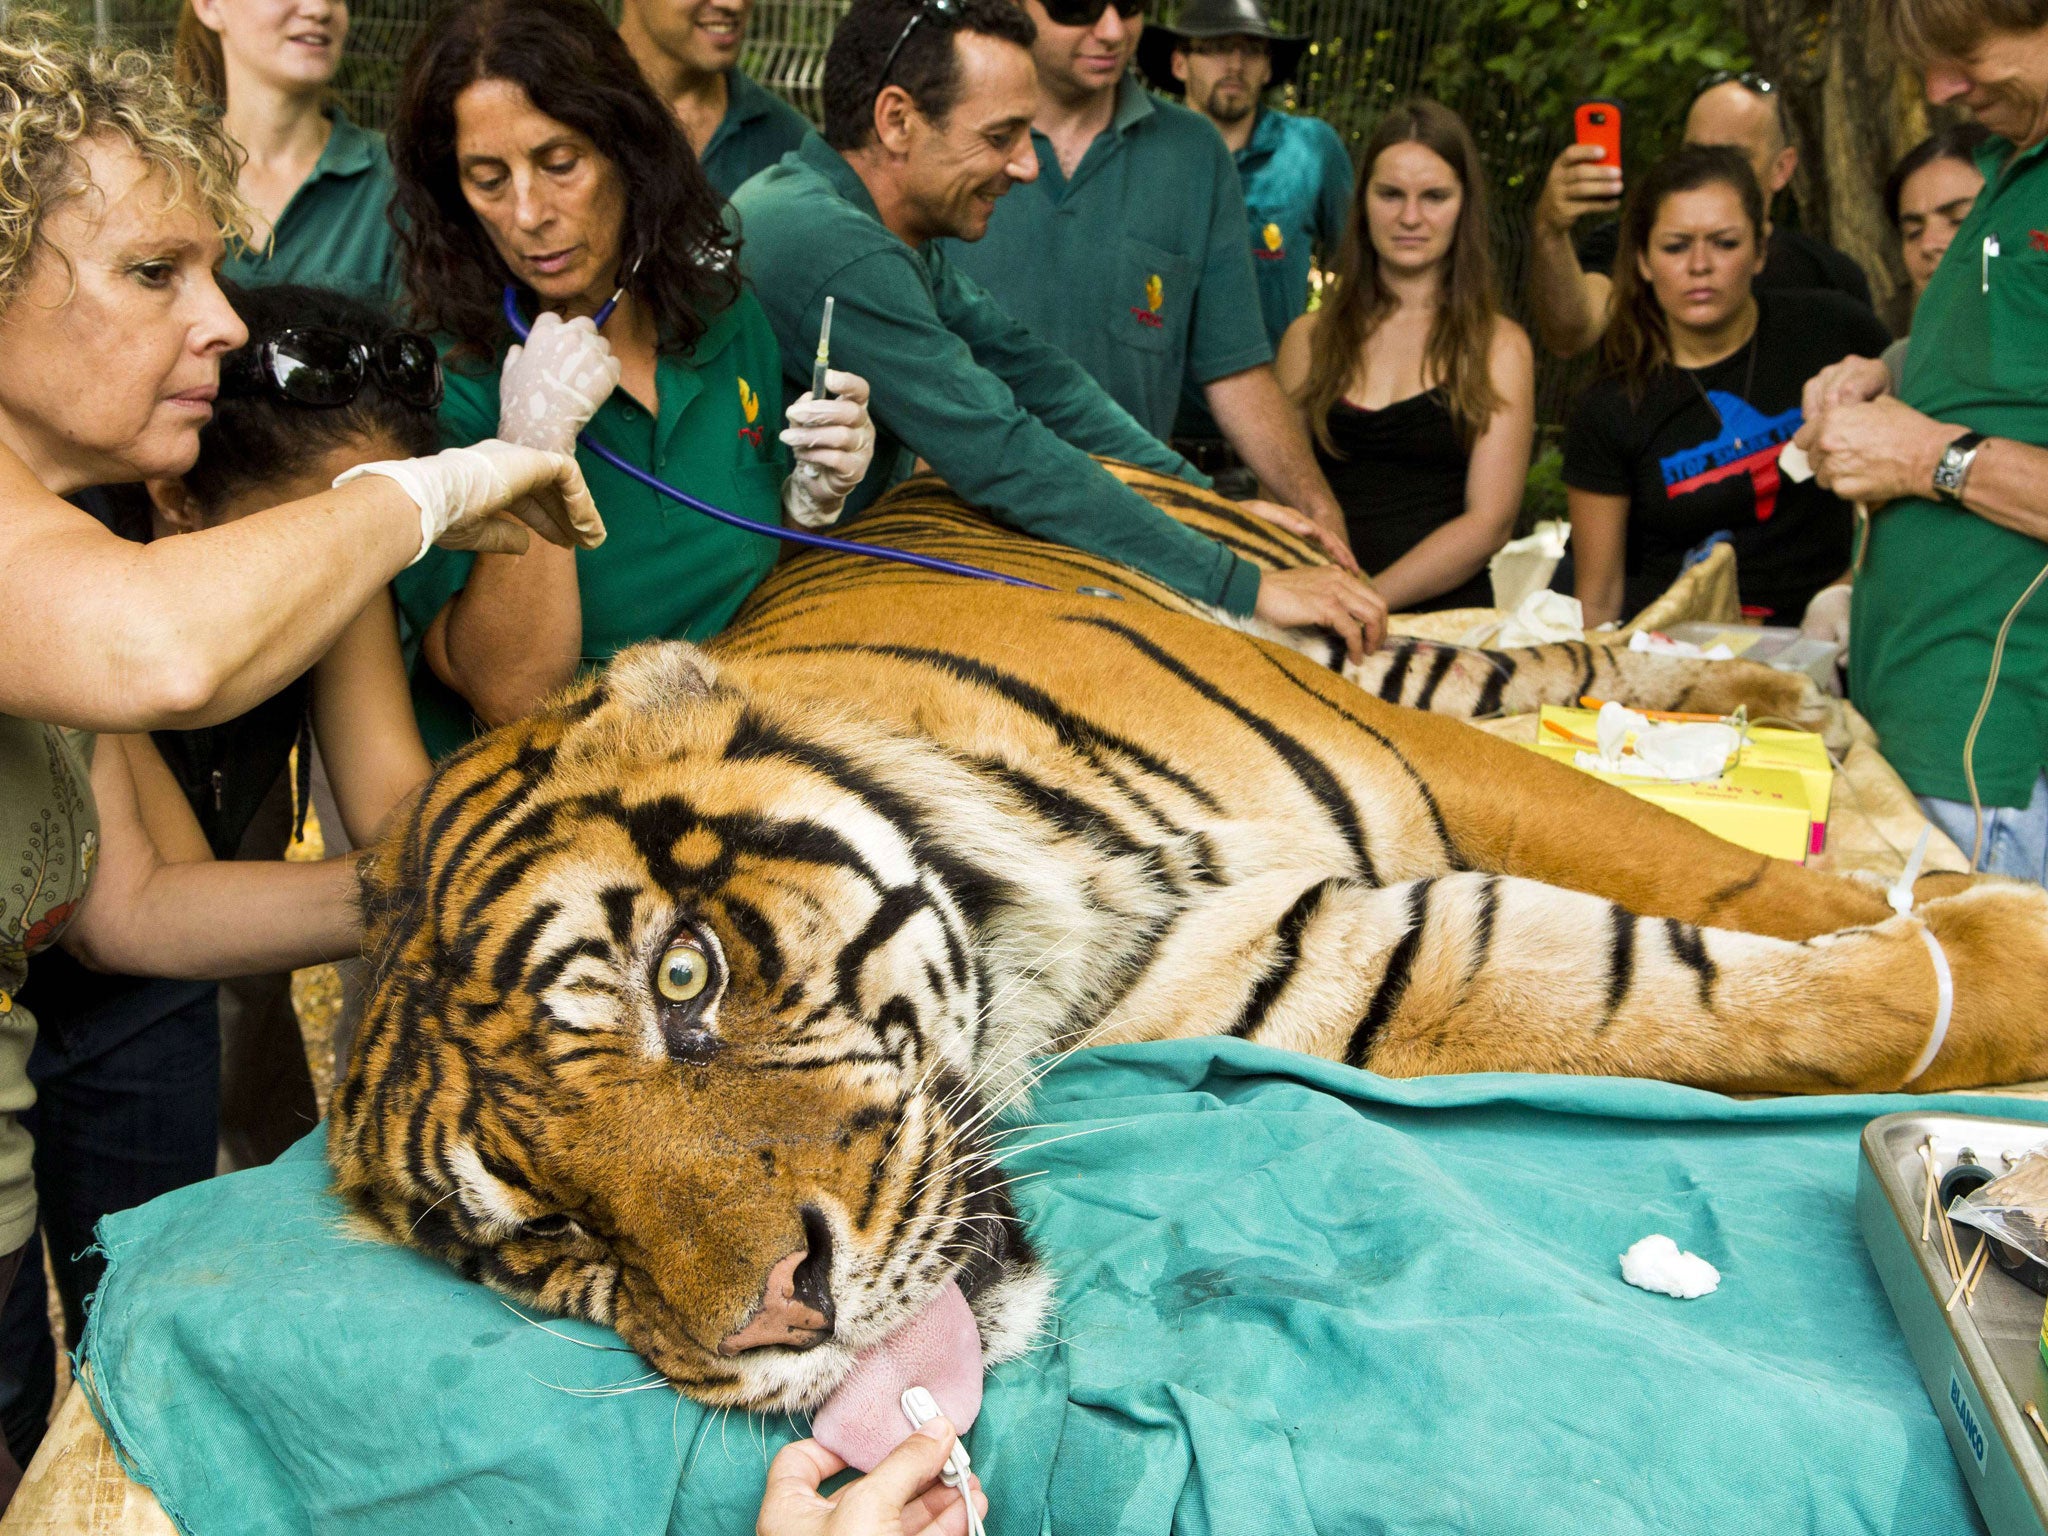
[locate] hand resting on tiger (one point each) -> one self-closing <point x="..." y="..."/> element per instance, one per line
<point x="696" y="992"/>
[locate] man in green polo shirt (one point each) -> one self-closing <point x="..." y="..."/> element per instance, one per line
<point x="927" y="120"/>
<point x="334" y="232"/>
<point x="689" y="51"/>
<point x="1129" y="252"/>
<point x="1955" y="466"/>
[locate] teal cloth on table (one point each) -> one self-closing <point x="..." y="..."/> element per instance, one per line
<point x="1294" y="1298"/>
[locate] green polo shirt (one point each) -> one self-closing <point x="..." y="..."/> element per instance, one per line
<point x="1005" y="418"/>
<point x="663" y="571"/>
<point x="334" y="232"/>
<point x="1138" y="267"/>
<point x="1937" y="581"/>
<point x="758" y="129"/>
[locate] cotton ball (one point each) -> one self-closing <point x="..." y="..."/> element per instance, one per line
<point x="1655" y="1264"/>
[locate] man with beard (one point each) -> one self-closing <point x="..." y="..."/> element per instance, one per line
<point x="1128" y="251"/>
<point x="689" y="51"/>
<point x="928" y="109"/>
<point x="1226" y="55"/>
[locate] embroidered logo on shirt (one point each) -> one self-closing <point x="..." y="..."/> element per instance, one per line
<point x="1275" y="243"/>
<point x="750" y="402"/>
<point x="2038" y="238"/>
<point x="1155" y="299"/>
<point x="1748" y="444"/>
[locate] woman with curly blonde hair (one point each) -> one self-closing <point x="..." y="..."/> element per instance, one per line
<point x="114" y="195"/>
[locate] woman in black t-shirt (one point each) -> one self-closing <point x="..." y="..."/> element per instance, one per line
<point x="1679" y="438"/>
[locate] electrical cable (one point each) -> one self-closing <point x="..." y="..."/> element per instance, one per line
<point x="1984" y="708"/>
<point x="787" y="535"/>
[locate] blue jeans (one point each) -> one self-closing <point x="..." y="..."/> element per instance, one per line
<point x="127" y="1077"/>
<point x="2015" y="837"/>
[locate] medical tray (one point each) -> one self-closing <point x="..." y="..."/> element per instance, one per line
<point x="1982" y="1363"/>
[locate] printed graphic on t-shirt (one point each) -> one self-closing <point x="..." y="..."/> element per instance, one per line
<point x="1748" y="443"/>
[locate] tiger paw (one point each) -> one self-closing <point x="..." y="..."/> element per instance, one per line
<point x="1994" y="937"/>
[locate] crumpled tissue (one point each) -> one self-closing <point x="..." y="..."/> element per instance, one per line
<point x="1684" y="752"/>
<point x="1649" y="643"/>
<point x="1525" y="565"/>
<point x="1540" y="618"/>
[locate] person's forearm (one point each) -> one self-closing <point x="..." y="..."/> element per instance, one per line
<point x="1600" y="597"/>
<point x="1265" y="429"/>
<point x="2008" y="485"/>
<point x="108" y="635"/>
<point x="214" y="920"/>
<point x="1567" y="306"/>
<point x="1448" y="557"/>
<point x="513" y="634"/>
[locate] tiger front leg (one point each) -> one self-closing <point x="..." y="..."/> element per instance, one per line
<point x="1489" y="973"/>
<point x="1473" y="684"/>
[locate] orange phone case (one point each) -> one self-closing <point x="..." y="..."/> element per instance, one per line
<point x="1599" y="122"/>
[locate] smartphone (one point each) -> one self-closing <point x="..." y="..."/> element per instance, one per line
<point x="1599" y="122"/>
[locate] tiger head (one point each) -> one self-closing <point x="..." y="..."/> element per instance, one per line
<point x="674" y="1030"/>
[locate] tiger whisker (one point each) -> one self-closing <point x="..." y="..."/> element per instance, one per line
<point x="619" y="1349"/>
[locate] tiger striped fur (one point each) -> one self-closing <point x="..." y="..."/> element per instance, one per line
<point x="906" y="833"/>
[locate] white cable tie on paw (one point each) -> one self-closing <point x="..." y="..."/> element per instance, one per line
<point x="1945" y="1002"/>
<point x="1900" y="897"/>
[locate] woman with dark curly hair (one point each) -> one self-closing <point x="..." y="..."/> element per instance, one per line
<point x="532" y="155"/>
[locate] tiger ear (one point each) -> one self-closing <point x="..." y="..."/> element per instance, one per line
<point x="660" y="676"/>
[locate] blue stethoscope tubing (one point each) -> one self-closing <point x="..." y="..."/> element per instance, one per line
<point x="720" y="515"/>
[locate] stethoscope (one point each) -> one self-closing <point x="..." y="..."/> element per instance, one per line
<point x="720" y="515"/>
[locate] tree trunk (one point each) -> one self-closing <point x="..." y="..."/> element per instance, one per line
<point x="1855" y="109"/>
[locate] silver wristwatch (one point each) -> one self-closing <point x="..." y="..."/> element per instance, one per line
<point x="1954" y="467"/>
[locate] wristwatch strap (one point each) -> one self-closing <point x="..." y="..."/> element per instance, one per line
<point x="1954" y="467"/>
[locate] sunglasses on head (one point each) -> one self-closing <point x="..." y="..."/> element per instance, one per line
<point x="313" y="365"/>
<point x="1085" y="13"/>
<point x="945" y="10"/>
<point x="1748" y="79"/>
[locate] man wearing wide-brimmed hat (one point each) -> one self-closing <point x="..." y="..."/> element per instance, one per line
<point x="1225" y="55"/>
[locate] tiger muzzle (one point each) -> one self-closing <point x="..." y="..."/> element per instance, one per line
<point x="796" y="1310"/>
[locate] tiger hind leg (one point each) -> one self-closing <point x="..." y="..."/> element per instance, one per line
<point x="1487" y="973"/>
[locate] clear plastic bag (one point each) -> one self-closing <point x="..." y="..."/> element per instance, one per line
<point x="2013" y="1208"/>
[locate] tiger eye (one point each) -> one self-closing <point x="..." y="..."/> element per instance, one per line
<point x="685" y="971"/>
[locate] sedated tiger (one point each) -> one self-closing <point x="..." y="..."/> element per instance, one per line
<point x="695" y="992"/>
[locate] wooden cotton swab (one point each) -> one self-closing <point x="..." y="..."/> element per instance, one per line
<point x="1927" y="1203"/>
<point x="2039" y="1428"/>
<point x="1970" y="1290"/>
<point x="1968" y="1275"/>
<point x="1948" y="1243"/>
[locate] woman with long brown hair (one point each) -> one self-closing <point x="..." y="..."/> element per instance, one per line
<point x="1419" y="394"/>
<point x="1678" y="441"/>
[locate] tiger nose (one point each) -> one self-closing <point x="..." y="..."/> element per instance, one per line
<point x="796" y="1303"/>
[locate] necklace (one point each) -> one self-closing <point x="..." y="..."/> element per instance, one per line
<point x="1748" y="384"/>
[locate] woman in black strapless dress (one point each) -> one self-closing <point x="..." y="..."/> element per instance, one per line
<point x="1418" y="393"/>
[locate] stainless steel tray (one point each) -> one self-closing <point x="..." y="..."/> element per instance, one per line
<point x="1980" y="1363"/>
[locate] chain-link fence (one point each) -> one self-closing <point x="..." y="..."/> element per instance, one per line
<point x="1364" y="56"/>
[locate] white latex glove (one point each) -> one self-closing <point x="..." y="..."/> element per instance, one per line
<point x="478" y="497"/>
<point x="551" y="386"/>
<point x="1827" y="618"/>
<point x="834" y="441"/>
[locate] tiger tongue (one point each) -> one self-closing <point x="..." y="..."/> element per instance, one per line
<point x="939" y="1350"/>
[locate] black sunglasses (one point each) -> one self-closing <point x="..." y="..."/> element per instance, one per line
<point x="1748" y="79"/>
<point x="313" y="365"/>
<point x="1085" y="13"/>
<point x="948" y="10"/>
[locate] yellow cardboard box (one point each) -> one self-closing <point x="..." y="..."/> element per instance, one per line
<point x="1765" y="809"/>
